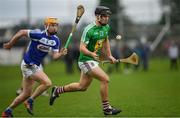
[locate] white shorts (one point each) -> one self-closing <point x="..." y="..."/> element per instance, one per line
<point x="87" y="66"/>
<point x="28" y="70"/>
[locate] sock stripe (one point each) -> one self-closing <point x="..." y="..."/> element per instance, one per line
<point x="60" y="90"/>
<point x="105" y="105"/>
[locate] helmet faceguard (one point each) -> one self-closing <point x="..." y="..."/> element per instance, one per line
<point x="49" y="21"/>
<point x="100" y="12"/>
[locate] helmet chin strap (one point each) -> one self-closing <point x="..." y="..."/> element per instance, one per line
<point x="47" y="27"/>
<point x="99" y="19"/>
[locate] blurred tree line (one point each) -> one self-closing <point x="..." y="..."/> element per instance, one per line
<point x="119" y="21"/>
<point x="122" y="24"/>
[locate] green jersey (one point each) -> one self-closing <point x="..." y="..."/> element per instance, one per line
<point x="93" y="36"/>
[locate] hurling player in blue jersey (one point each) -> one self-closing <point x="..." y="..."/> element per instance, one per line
<point x="42" y="43"/>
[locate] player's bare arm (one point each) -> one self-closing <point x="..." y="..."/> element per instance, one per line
<point x="62" y="52"/>
<point x="108" y="51"/>
<point x="15" y="38"/>
<point x="83" y="49"/>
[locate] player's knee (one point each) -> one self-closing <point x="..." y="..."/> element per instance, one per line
<point x="48" y="84"/>
<point x="105" y="79"/>
<point x="82" y="88"/>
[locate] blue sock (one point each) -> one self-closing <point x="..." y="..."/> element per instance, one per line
<point x="8" y="110"/>
<point x="30" y="100"/>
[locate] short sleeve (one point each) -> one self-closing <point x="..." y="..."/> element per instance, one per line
<point x="57" y="46"/>
<point x="85" y="36"/>
<point x="108" y="30"/>
<point x="34" y="34"/>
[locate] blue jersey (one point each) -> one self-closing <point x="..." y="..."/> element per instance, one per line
<point x="40" y="45"/>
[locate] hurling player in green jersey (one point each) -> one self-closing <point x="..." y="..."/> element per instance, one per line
<point x="94" y="43"/>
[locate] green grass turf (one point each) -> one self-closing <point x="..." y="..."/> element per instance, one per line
<point x="139" y="93"/>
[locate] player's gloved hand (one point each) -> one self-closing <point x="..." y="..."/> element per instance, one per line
<point x="112" y="59"/>
<point x="7" y="45"/>
<point x="63" y="51"/>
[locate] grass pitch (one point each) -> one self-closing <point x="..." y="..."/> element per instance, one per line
<point x="139" y="93"/>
